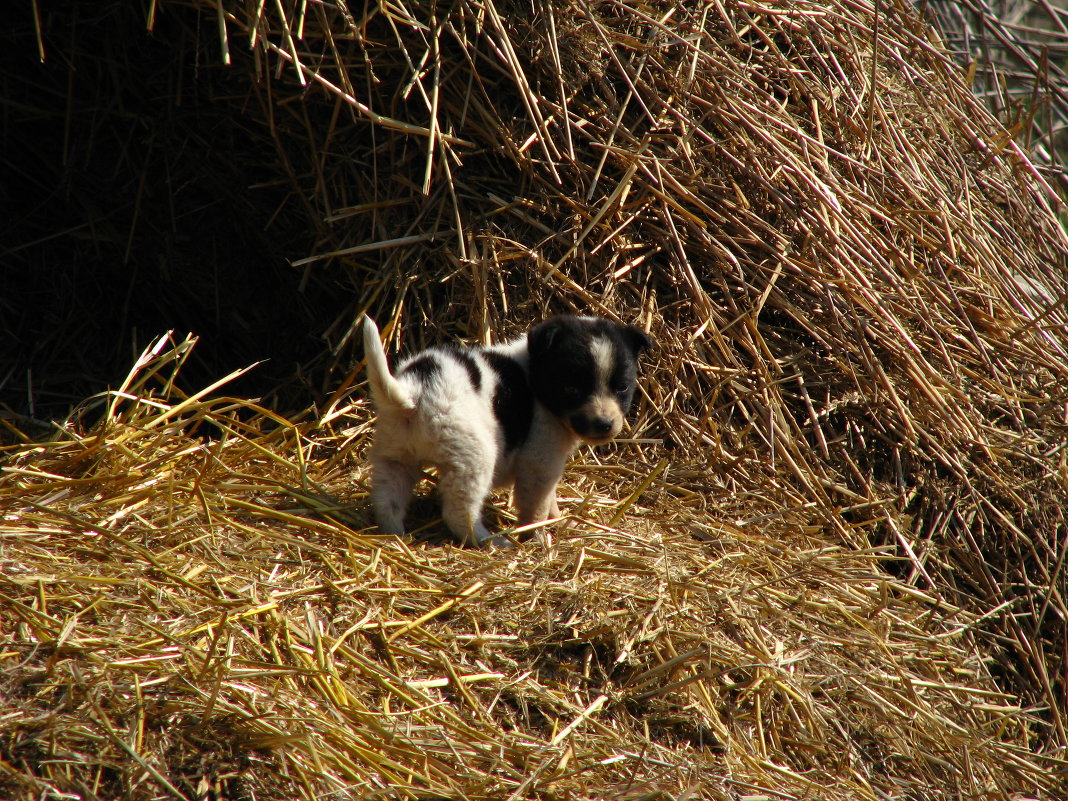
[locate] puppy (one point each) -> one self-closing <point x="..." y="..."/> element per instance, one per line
<point x="501" y="416"/>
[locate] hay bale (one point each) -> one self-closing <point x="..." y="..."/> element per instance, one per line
<point x="832" y="568"/>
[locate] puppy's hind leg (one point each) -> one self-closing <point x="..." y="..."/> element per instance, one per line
<point x="463" y="494"/>
<point x="391" y="491"/>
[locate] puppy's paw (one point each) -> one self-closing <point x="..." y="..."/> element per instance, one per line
<point x="503" y="543"/>
<point x="481" y="536"/>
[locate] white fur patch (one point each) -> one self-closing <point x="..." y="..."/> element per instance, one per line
<point x="603" y="360"/>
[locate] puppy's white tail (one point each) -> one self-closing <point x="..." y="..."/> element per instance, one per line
<point x="385" y="387"/>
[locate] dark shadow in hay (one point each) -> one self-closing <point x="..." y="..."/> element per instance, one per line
<point x="142" y="195"/>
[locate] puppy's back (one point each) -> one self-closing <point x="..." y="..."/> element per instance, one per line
<point x="451" y="384"/>
<point x="454" y="387"/>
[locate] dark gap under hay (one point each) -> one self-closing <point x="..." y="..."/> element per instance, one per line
<point x="142" y="192"/>
<point x="830" y="564"/>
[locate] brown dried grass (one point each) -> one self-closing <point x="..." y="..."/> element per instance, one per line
<point x="831" y="567"/>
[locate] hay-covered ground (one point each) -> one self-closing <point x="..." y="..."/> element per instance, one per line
<point x="829" y="561"/>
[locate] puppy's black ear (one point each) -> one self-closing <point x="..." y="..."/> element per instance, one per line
<point x="540" y="338"/>
<point x="636" y="338"/>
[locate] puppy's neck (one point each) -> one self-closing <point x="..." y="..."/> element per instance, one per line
<point x="566" y="439"/>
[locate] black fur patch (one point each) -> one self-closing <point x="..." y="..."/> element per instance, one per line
<point x="623" y="379"/>
<point x="428" y="364"/>
<point x="474" y="372"/>
<point x="423" y="366"/>
<point x="513" y="402"/>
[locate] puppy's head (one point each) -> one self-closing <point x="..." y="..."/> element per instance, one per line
<point x="583" y="370"/>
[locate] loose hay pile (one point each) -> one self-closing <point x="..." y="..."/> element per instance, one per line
<point x="197" y="619"/>
<point x="834" y="570"/>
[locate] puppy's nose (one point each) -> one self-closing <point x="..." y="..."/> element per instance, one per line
<point x="600" y="426"/>
<point x="594" y="428"/>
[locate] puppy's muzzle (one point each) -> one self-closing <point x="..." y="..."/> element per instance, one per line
<point x="594" y="428"/>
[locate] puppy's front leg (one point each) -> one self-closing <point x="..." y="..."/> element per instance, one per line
<point x="535" y="498"/>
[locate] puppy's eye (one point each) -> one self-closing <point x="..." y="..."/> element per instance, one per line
<point x="621" y="387"/>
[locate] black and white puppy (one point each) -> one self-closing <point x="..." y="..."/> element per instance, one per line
<point x="506" y="415"/>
